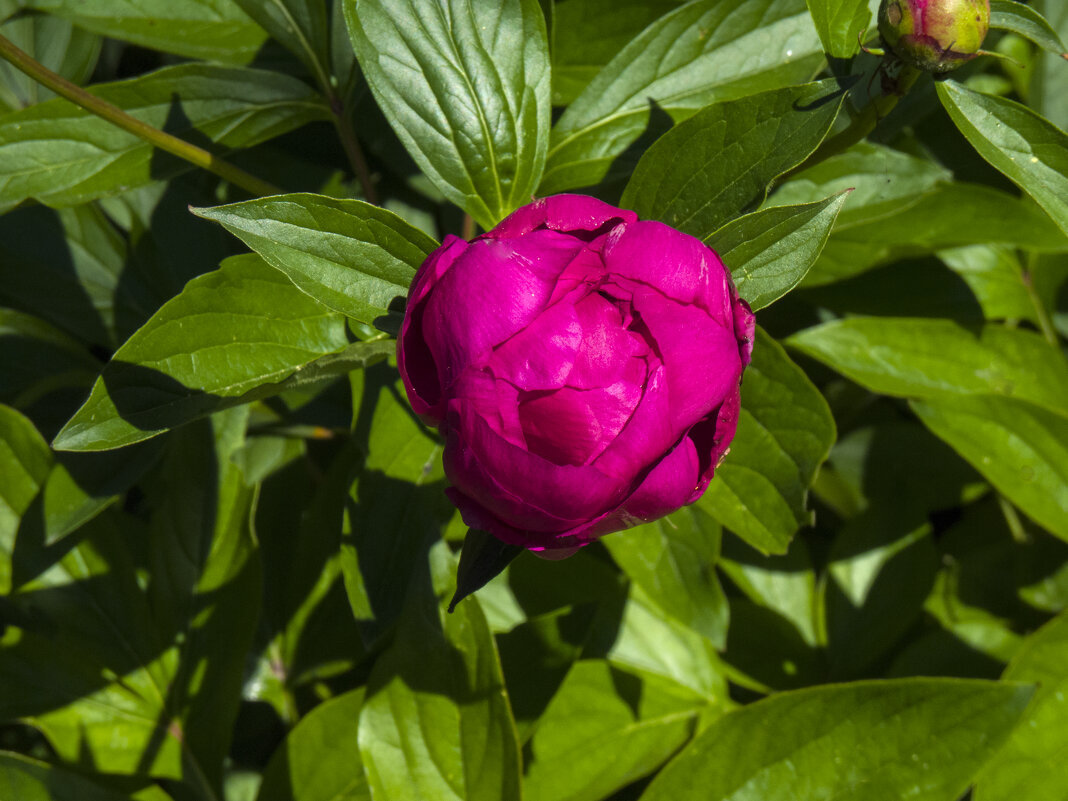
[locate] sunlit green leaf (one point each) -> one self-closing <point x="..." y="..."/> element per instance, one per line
<point x="353" y="257"/>
<point x="931" y="358"/>
<point x="703" y="52"/>
<point x="466" y="88"/>
<point x="208" y="29"/>
<point x="880" y="741"/>
<point x="841" y="24"/>
<point x="769" y="252"/>
<point x="319" y="760"/>
<point x="1027" y="148"/>
<point x="719" y="163"/>
<point x="60" y="154"/>
<point x="1022" y="449"/>
<point x="1034" y="760"/>
<point x="436" y="723"/>
<point x="784" y="431"/>
<point x="229" y="333"/>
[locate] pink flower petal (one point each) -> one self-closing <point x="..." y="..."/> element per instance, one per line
<point x="560" y="213"/>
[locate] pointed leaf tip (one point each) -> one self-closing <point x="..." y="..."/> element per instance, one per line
<point x="481" y="559"/>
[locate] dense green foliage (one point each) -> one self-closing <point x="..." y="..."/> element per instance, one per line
<point x="225" y="550"/>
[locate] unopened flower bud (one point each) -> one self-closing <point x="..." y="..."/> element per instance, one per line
<point x="934" y="35"/>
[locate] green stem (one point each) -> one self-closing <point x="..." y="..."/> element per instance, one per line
<point x="347" y="134"/>
<point x="116" y="116"/>
<point x="862" y="125"/>
<point x="1044" y="323"/>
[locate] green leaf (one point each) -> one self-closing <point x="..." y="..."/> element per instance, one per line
<point x="840" y="24"/>
<point x="63" y="266"/>
<point x="1030" y="150"/>
<point x="300" y="25"/>
<point x="210" y="29"/>
<point x="879" y="741"/>
<point x="673" y="560"/>
<point x="436" y="723"/>
<point x="38" y="359"/>
<point x="1008" y="15"/>
<point x="647" y="641"/>
<point x="995" y="277"/>
<point x="934" y="358"/>
<point x="1033" y="762"/>
<point x="703" y="52"/>
<point x="27" y="779"/>
<point x="466" y="88"/>
<point x="319" y="760"/>
<point x="55" y="43"/>
<point x="25" y="463"/>
<point x="950" y="215"/>
<point x="147" y="682"/>
<point x="884" y="182"/>
<point x="353" y="257"/>
<point x="604" y="729"/>
<point x="227" y="334"/>
<point x="712" y="167"/>
<point x="881" y="569"/>
<point x="396" y="508"/>
<point x="784" y="431"/>
<point x="60" y="154"/>
<point x="770" y="251"/>
<point x="1020" y="448"/>
<point x="587" y="35"/>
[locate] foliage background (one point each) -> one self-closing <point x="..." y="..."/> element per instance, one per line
<point x="224" y="546"/>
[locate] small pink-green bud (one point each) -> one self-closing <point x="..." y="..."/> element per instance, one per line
<point x="934" y="35"/>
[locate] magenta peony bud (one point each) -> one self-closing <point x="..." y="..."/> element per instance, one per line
<point x="934" y="35"/>
<point x="583" y="368"/>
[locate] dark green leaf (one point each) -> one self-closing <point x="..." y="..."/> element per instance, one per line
<point x="645" y="640"/>
<point x="995" y="277"/>
<point x="356" y="258"/>
<point x="25" y="463"/>
<point x="841" y="24"/>
<point x="587" y="35"/>
<point x="399" y="504"/>
<point x="39" y="359"/>
<point x="674" y="560"/>
<point x="436" y="723"/>
<point x="1020" y="448"/>
<point x="209" y="29"/>
<point x="719" y="163"/>
<point x="884" y="182"/>
<point x="877" y="741"/>
<point x="466" y="88"/>
<point x="784" y="431"/>
<point x="770" y="251"/>
<point x="1032" y="763"/>
<point x="483" y="557"/>
<point x="320" y="758"/>
<point x="950" y="215"/>
<point x="228" y="334"/>
<point x="61" y="154"/>
<point x="1009" y="15"/>
<point x="1027" y="148"/>
<point x="703" y="52"/>
<point x="932" y="358"/>
<point x="27" y="779"/>
<point x="300" y="25"/>
<point x="147" y="682"/>
<point x="605" y="728"/>
<point x="55" y="43"/>
<point x="882" y="568"/>
<point x="63" y="266"/>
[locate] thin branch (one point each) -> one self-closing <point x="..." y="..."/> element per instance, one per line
<point x="116" y="116"/>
